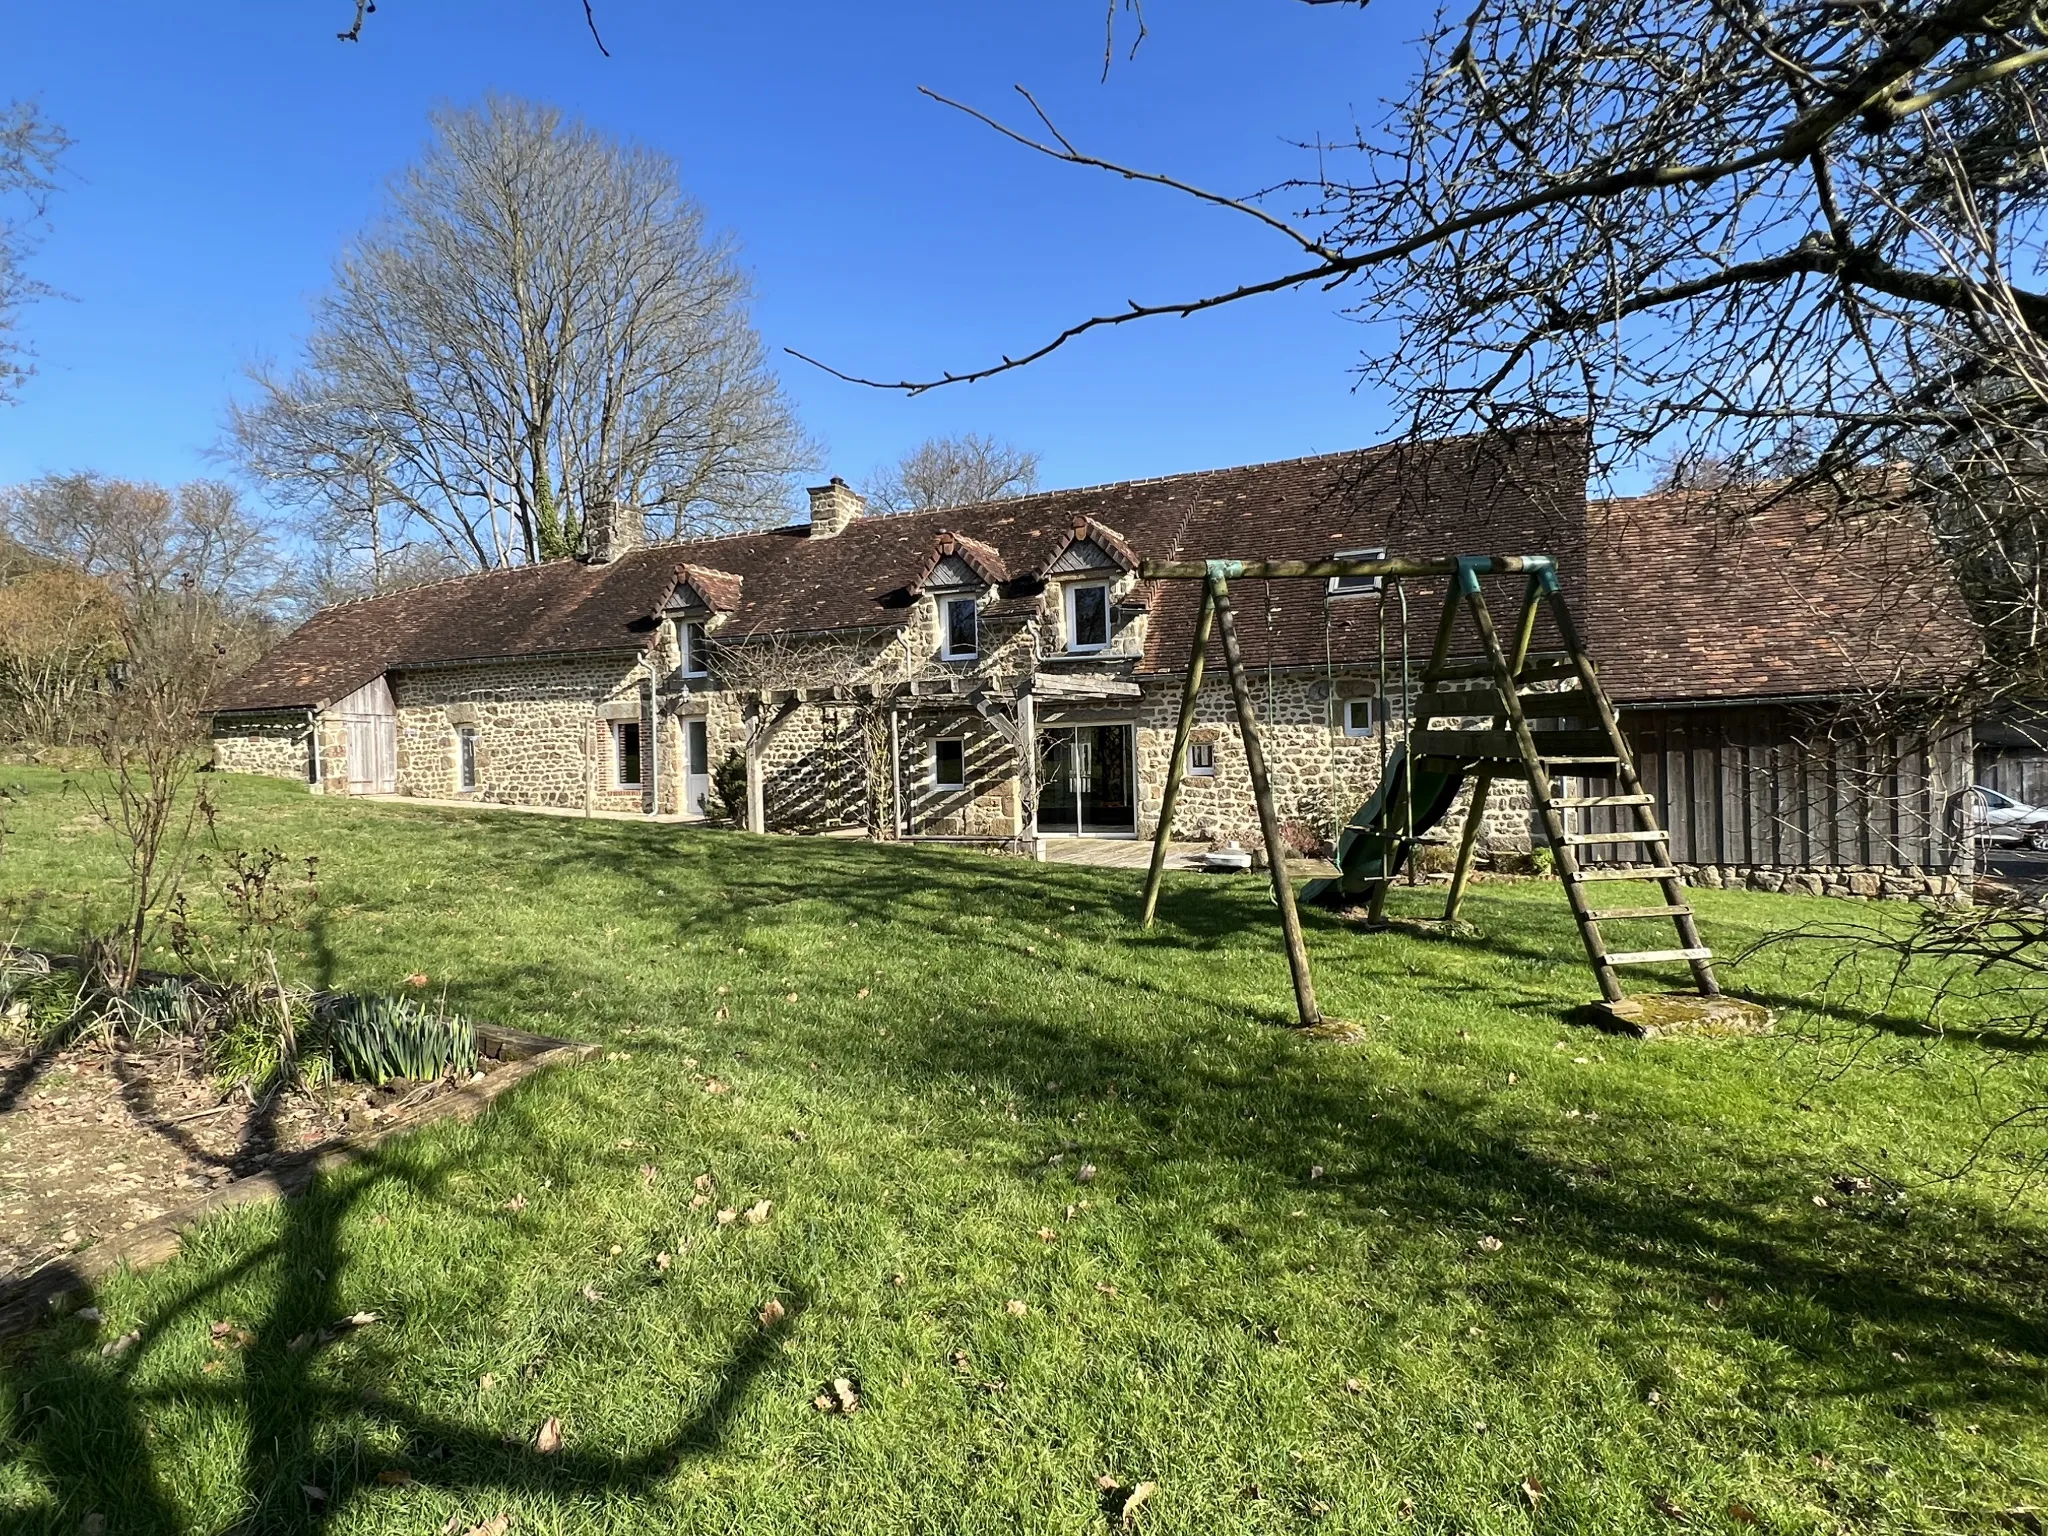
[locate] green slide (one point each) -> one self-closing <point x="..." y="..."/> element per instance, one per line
<point x="1371" y="846"/>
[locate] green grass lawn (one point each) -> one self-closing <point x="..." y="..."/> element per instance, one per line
<point x="1306" y="1286"/>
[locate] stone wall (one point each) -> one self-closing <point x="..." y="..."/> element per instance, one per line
<point x="542" y="730"/>
<point x="274" y="746"/>
<point x="1865" y="883"/>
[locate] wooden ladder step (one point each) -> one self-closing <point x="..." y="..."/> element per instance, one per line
<point x="1538" y="667"/>
<point x="1615" y="914"/>
<point x="1658" y="956"/>
<point x="1589" y="802"/>
<point x="1551" y="746"/>
<point x="1583" y="839"/>
<point x="1627" y="872"/>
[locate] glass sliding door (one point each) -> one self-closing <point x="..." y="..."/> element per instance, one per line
<point x="1087" y="781"/>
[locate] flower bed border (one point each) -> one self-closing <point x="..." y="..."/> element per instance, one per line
<point x="521" y="1056"/>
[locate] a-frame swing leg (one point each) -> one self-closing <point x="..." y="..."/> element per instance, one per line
<point x="1475" y="813"/>
<point x="1540" y="786"/>
<point x="1176" y="766"/>
<point x="1262" y="793"/>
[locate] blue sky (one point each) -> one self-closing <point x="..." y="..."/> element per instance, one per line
<point x="225" y="152"/>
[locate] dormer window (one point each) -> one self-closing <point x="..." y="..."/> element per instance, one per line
<point x="1087" y="615"/>
<point x="959" y="629"/>
<point x="693" y="648"/>
<point x="1342" y="586"/>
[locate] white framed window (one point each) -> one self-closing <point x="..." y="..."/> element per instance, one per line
<point x="1360" y="716"/>
<point x="1201" y="759"/>
<point x="949" y="763"/>
<point x="465" y="757"/>
<point x="1343" y="586"/>
<point x="959" y="629"/>
<point x="1087" y="615"/>
<point x="626" y="754"/>
<point x="691" y="646"/>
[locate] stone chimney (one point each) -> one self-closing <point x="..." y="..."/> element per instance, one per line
<point x="833" y="507"/>
<point x="611" y="529"/>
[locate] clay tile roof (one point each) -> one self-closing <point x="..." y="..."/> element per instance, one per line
<point x="1086" y="530"/>
<point x="985" y="560"/>
<point x="1673" y="605"/>
<point x="1759" y="592"/>
<point x="720" y="589"/>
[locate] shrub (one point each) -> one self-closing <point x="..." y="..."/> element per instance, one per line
<point x="728" y="794"/>
<point x="374" y="1039"/>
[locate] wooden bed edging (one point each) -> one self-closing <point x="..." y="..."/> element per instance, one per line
<point x="523" y="1056"/>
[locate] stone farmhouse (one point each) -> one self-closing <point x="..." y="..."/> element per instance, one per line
<point x="1001" y="673"/>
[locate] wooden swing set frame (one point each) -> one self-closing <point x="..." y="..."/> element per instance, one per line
<point x="1510" y="746"/>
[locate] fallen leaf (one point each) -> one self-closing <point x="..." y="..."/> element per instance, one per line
<point x="698" y="1202"/>
<point x="1667" y="1506"/>
<point x="1716" y="1300"/>
<point x="1316" y="1172"/>
<point x="713" y="1085"/>
<point x="771" y="1313"/>
<point x="615" y="1250"/>
<point x="497" y="1525"/>
<point x="485" y="1382"/>
<point x="549" y="1440"/>
<point x="1015" y="1308"/>
<point x="1107" y="1290"/>
<point x="649" y="1173"/>
<point x="313" y="1492"/>
<point x="758" y="1212"/>
<point x="592" y="1295"/>
<point x="1107" y="1483"/>
<point x="848" y="1395"/>
<point x="1532" y="1489"/>
<point x="1138" y="1496"/>
<point x="451" y="1525"/>
<point x="1353" y="1385"/>
<point x="958" y="1360"/>
<point x="92" y="1315"/>
<point x="1489" y="1244"/>
<point x="416" y="979"/>
<point x="662" y="1261"/>
<point x="358" y="1320"/>
<point x="123" y="1344"/>
<point x="899" y="1279"/>
<point x="1087" y="1173"/>
<point x="94" y="1524"/>
<point x="728" y="1216"/>
<point x="704" y="1183"/>
<point x="789" y="997"/>
<point x="395" y="1477"/>
<point x="1742" y="1514"/>
<point x="1405" y="1509"/>
<point x="863" y="992"/>
<point x="1047" y="1235"/>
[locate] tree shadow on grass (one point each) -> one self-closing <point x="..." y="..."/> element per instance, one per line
<point x="80" y="1418"/>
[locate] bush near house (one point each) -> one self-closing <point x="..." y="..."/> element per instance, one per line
<point x="924" y="1191"/>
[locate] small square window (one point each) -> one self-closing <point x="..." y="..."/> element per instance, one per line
<point x="691" y="645"/>
<point x="1202" y="759"/>
<point x="465" y="756"/>
<point x="626" y="754"/>
<point x="1360" y="716"/>
<point x="1088" y="616"/>
<point x="1341" y="586"/>
<point x="962" y="638"/>
<point x="949" y="763"/>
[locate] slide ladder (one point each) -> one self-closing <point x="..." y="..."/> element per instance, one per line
<point x="1535" y="716"/>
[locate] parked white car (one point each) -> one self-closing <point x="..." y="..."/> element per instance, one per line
<point x="2007" y="823"/>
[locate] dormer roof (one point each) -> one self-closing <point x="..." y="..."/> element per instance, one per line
<point x="1088" y="545"/>
<point x="950" y="552"/>
<point x="717" y="590"/>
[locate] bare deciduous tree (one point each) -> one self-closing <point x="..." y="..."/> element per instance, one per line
<point x="540" y="323"/>
<point x="1779" y="235"/>
<point x="59" y="634"/>
<point x="30" y="148"/>
<point x="953" y="472"/>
